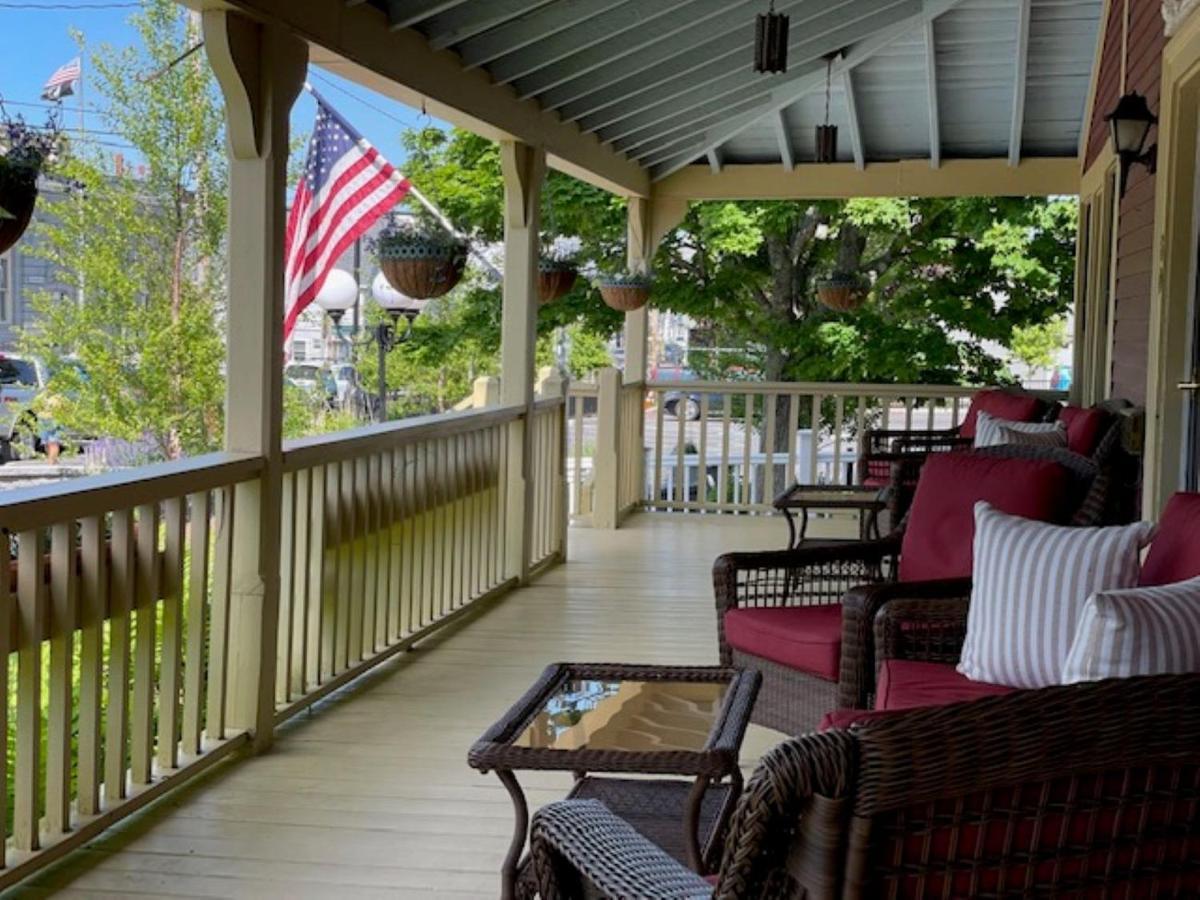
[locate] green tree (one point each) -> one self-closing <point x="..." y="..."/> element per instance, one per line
<point x="1037" y="345"/>
<point x="145" y="251"/>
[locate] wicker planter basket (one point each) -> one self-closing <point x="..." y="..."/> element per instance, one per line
<point x="19" y="203"/>
<point x="421" y="269"/>
<point x="841" y="294"/>
<point x="555" y="280"/>
<point x="625" y="296"/>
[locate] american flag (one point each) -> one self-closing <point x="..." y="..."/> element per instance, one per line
<point x="346" y="186"/>
<point x="62" y="82"/>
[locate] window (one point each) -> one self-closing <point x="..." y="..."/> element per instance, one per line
<point x="299" y="350"/>
<point x="6" y="288"/>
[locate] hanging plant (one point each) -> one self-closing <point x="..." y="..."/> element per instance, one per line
<point x="842" y="291"/>
<point x="420" y="260"/>
<point x="625" y="292"/>
<point x="24" y="153"/>
<point x="557" y="269"/>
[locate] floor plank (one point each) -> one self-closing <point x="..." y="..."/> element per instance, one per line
<point x="369" y="794"/>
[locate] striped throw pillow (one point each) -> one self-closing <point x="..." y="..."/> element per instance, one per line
<point x="1030" y="581"/>
<point x="1140" y="631"/>
<point x="993" y="432"/>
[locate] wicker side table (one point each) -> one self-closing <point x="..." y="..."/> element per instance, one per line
<point x="868" y="502"/>
<point x="632" y="719"/>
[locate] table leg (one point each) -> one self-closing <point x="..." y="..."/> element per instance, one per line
<point x="512" y="862"/>
<point x="787" y="514"/>
<point x="691" y="825"/>
<point x="803" y="526"/>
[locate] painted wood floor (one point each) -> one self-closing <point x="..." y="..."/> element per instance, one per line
<point x="369" y="794"/>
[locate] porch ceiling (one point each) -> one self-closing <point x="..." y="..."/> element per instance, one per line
<point x="650" y="87"/>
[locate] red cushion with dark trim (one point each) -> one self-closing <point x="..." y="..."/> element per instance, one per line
<point x="1084" y="428"/>
<point x="1175" y="551"/>
<point x="1002" y="405"/>
<point x="908" y="684"/>
<point x="808" y="638"/>
<point x="941" y="522"/>
<point x="841" y="719"/>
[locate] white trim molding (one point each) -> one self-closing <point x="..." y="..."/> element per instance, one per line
<point x="1174" y="12"/>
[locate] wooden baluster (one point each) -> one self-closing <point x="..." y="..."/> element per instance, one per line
<point x="793" y="428"/>
<point x="458" y="593"/>
<point x="770" y="401"/>
<point x="702" y="463"/>
<point x="174" y="515"/>
<point x="746" y="497"/>
<point x="860" y="425"/>
<point x="287" y="601"/>
<point x="479" y="489"/>
<point x="680" y="445"/>
<point x="62" y="658"/>
<point x="331" y="583"/>
<point x="723" y="471"/>
<point x="141" y="744"/>
<point x="356" y="599"/>
<point x="954" y="420"/>
<point x="93" y="608"/>
<point x="200" y="508"/>
<point x="839" y="416"/>
<point x="495" y="535"/>
<point x="218" y="631"/>
<point x="426" y="477"/>
<point x="908" y="413"/>
<point x="120" y="604"/>
<point x="930" y="405"/>
<point x="346" y="568"/>
<point x="318" y="589"/>
<point x="405" y="501"/>
<point x="815" y="438"/>
<point x="31" y="607"/>
<point x="577" y="459"/>
<point x="658" y="448"/>
<point x="368" y="486"/>
<point x="302" y="557"/>
<point x="391" y="584"/>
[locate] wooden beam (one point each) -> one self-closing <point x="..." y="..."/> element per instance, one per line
<point x="539" y="28"/>
<point x="356" y="44"/>
<point x="1038" y="177"/>
<point x="931" y="95"/>
<point x="787" y="154"/>
<point x="786" y="91"/>
<point x="1021" y="65"/>
<point x="407" y="13"/>
<point x="856" y="139"/>
<point x="466" y="21"/>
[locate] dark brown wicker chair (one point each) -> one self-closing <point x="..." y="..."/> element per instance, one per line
<point x="858" y="574"/>
<point x="1090" y="790"/>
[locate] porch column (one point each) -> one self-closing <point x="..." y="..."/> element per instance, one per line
<point x="524" y="169"/>
<point x="261" y="69"/>
<point x="639" y="251"/>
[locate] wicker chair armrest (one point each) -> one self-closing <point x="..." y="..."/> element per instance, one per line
<point x="580" y="848"/>
<point x="929" y="629"/>
<point x="930" y="441"/>
<point x="861" y="609"/>
<point x="880" y="440"/>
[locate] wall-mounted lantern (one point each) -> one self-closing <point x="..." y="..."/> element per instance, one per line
<point x="1131" y="122"/>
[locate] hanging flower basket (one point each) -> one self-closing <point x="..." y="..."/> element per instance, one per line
<point x="418" y="263"/>
<point x="842" y="292"/>
<point x="17" y="202"/>
<point x="555" y="279"/>
<point x="24" y="151"/>
<point x="625" y="293"/>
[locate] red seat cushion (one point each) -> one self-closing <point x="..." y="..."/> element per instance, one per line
<point x="807" y="638"/>
<point x="841" y="719"/>
<point x="1002" y="405"/>
<point x="1084" y="428"/>
<point x="906" y="684"/>
<point x="1175" y="551"/>
<point x="941" y="522"/>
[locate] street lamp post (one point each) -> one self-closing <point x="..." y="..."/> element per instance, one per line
<point x="338" y="295"/>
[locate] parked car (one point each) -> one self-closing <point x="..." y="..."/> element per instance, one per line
<point x="20" y="381"/>
<point x="684" y="404"/>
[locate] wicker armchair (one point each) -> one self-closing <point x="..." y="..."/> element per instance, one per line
<point x="1086" y="790"/>
<point x="861" y="576"/>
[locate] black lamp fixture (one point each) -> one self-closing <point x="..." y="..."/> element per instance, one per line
<point x="827" y="134"/>
<point x="771" y="41"/>
<point x="1130" y="122"/>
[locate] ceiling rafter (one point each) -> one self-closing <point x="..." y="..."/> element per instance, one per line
<point x="642" y="147"/>
<point x="533" y="28"/>
<point x="787" y="154"/>
<point x="463" y="22"/>
<point x="714" y="160"/>
<point x="612" y="36"/>
<point x="678" y="61"/>
<point x="1024" y="9"/>
<point x="931" y="92"/>
<point x="671" y="106"/>
<point x="856" y="138"/>
<point x="784" y="94"/>
<point x="407" y="13"/>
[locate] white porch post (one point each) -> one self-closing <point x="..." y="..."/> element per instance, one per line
<point x="261" y="69"/>
<point x="606" y="503"/>
<point x="639" y="251"/>
<point x="524" y="170"/>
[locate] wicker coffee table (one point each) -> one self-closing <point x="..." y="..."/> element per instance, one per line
<point x="867" y="501"/>
<point x="634" y="719"/>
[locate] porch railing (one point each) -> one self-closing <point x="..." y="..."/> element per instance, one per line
<point x="122" y="628"/>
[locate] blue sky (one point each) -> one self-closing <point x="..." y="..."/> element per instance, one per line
<point x="38" y="41"/>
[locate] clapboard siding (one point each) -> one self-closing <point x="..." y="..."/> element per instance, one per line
<point x="1135" y="226"/>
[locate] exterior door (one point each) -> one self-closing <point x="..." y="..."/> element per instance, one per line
<point x="1189" y="388"/>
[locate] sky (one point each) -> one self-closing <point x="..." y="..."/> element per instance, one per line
<point x="36" y="36"/>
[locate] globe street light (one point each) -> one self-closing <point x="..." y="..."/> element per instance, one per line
<point x="339" y="293"/>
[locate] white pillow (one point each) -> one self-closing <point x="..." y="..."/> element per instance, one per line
<point x="1140" y="631"/>
<point x="993" y="432"/>
<point x="1030" y="582"/>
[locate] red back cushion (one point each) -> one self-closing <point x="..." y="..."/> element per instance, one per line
<point x="941" y="523"/>
<point x="1002" y="405"/>
<point x="1084" y="428"/>
<point x="1175" y="551"/>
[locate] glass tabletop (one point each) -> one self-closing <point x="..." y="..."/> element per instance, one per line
<point x="625" y="715"/>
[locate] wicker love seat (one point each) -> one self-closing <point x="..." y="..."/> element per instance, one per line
<point x="1091" y="790"/>
<point x="808" y="628"/>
